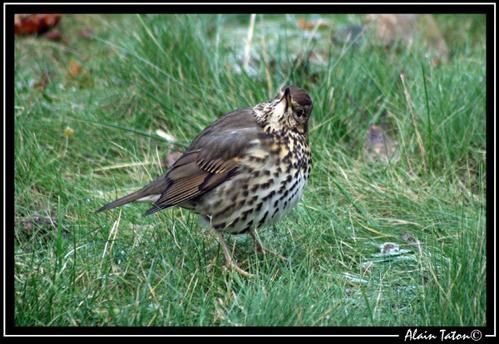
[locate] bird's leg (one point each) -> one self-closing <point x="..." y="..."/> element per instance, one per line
<point x="261" y="249"/>
<point x="229" y="261"/>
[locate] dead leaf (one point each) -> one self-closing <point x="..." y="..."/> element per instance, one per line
<point x="29" y="24"/>
<point x="310" y="25"/>
<point x="28" y="225"/>
<point x="379" y="147"/>
<point x="390" y="28"/>
<point x="405" y="28"/>
<point x="434" y="39"/>
<point x="74" y="68"/>
<point x="54" y="35"/>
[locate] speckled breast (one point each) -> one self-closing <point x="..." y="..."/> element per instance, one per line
<point x="269" y="182"/>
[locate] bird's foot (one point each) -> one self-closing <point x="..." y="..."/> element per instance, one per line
<point x="229" y="261"/>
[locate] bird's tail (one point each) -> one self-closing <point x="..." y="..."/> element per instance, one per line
<point x="151" y="190"/>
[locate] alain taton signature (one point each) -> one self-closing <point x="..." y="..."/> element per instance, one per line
<point x="442" y="335"/>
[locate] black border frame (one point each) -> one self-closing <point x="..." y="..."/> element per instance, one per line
<point x="9" y="328"/>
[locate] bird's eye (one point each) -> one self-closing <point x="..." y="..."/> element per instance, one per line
<point x="300" y="112"/>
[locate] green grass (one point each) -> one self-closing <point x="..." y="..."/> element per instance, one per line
<point x="177" y="73"/>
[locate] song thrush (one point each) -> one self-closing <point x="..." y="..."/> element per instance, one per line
<point x="245" y="170"/>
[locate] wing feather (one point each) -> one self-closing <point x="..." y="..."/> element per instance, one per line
<point x="212" y="158"/>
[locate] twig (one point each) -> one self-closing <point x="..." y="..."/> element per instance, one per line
<point x="410" y="106"/>
<point x="266" y="61"/>
<point x="123" y="165"/>
<point x="112" y="233"/>
<point x="247" y="49"/>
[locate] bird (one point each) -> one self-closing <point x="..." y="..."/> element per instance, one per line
<point x="246" y="170"/>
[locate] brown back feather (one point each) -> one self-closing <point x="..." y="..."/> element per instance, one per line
<point x="211" y="159"/>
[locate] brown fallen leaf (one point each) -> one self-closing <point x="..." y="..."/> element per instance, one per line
<point x="74" y="68"/>
<point x="434" y="39"/>
<point x="29" y="24"/>
<point x="390" y="28"/>
<point x="54" y="35"/>
<point x="310" y="25"/>
<point x="379" y="147"/>
<point x="27" y="226"/>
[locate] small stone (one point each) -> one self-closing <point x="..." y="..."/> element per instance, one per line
<point x="389" y="248"/>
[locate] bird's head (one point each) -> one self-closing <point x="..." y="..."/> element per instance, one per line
<point x="290" y="110"/>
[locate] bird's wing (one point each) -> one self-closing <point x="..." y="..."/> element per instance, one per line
<point x="212" y="158"/>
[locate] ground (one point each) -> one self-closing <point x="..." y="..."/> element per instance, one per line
<point x="390" y="244"/>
